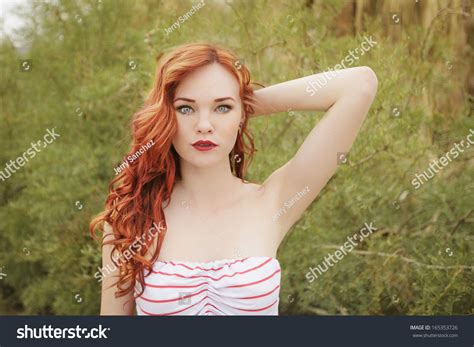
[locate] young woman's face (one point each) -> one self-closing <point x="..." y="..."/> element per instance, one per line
<point x="208" y="107"/>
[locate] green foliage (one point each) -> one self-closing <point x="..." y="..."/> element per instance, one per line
<point x="80" y="85"/>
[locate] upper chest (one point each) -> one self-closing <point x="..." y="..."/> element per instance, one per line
<point x="184" y="218"/>
<point x="244" y="227"/>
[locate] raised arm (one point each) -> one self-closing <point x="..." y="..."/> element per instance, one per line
<point x="347" y="95"/>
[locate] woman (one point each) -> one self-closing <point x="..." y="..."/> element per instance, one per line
<point x="184" y="177"/>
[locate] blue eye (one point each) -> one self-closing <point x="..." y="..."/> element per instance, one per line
<point x="185" y="109"/>
<point x="224" y="108"/>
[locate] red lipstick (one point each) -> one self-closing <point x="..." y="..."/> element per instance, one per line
<point x="204" y="145"/>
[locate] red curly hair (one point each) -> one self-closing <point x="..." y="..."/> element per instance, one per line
<point x="134" y="203"/>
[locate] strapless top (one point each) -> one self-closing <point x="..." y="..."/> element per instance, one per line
<point x="243" y="286"/>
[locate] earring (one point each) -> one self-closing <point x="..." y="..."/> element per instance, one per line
<point x="240" y="127"/>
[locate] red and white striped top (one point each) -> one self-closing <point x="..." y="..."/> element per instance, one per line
<point x="243" y="286"/>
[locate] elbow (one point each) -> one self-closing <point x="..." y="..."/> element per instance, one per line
<point x="368" y="82"/>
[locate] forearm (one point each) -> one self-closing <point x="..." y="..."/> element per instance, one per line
<point x="316" y="92"/>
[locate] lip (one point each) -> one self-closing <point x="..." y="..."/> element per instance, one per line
<point x="204" y="145"/>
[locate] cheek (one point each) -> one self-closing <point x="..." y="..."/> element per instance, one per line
<point x="233" y="123"/>
<point x="230" y="135"/>
<point x="183" y="129"/>
<point x="180" y="140"/>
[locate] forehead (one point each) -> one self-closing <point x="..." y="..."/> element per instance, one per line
<point x="208" y="83"/>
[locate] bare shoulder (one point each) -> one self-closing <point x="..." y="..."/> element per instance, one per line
<point x="253" y="190"/>
<point x="252" y="187"/>
<point x="107" y="229"/>
<point x="266" y="198"/>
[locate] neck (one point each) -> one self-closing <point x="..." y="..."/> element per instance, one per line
<point x="207" y="187"/>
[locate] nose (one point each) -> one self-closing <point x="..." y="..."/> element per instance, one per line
<point x="204" y="125"/>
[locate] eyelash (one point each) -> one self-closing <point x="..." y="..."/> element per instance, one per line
<point x="179" y="108"/>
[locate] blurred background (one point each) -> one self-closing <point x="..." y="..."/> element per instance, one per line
<point x="84" y="67"/>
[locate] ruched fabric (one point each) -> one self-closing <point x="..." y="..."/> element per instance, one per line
<point x="244" y="286"/>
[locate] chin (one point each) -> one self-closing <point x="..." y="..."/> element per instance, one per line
<point x="201" y="159"/>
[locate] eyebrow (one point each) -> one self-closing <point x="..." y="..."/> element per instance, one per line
<point x="216" y="100"/>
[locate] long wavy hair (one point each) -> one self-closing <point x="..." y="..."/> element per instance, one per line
<point x="135" y="198"/>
